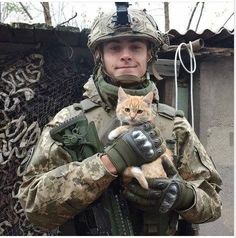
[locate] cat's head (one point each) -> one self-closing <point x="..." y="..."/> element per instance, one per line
<point x="134" y="110"/>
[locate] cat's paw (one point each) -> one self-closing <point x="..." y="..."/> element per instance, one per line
<point x="112" y="135"/>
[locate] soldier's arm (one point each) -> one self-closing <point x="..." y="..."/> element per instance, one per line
<point x="197" y="167"/>
<point x="55" y="189"/>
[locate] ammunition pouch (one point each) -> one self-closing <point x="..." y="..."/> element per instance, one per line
<point x="161" y="224"/>
<point x="78" y="137"/>
<point x="168" y="224"/>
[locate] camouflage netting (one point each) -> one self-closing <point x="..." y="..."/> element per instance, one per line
<point x="33" y="88"/>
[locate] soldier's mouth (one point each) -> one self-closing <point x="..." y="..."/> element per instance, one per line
<point x="126" y="67"/>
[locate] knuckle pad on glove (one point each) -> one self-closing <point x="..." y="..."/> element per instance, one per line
<point x="170" y="198"/>
<point x="165" y="207"/>
<point x="138" y="136"/>
<point x="173" y="189"/>
<point x="146" y="146"/>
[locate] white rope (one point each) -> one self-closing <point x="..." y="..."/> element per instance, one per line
<point x="191" y="71"/>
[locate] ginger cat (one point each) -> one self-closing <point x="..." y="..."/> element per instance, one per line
<point x="133" y="111"/>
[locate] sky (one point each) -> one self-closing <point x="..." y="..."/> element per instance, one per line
<point x="214" y="15"/>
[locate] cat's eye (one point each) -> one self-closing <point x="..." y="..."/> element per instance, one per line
<point x="127" y="109"/>
<point x="140" y="111"/>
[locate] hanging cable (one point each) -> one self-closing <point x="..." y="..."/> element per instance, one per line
<point x="191" y="71"/>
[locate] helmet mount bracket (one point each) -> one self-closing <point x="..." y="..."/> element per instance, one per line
<point x="122" y="18"/>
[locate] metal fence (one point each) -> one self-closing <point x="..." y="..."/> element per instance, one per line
<point x="33" y="88"/>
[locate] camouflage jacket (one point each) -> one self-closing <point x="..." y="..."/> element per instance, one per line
<point x="55" y="188"/>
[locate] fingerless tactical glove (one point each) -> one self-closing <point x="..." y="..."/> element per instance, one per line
<point x="140" y="145"/>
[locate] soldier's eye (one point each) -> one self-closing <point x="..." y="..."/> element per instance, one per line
<point x="127" y="109"/>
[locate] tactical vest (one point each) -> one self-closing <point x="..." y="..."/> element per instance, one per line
<point x="107" y="121"/>
<point x="94" y="221"/>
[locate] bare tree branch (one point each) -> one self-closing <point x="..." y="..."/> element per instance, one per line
<point x="47" y="15"/>
<point x="191" y="17"/>
<point x="167" y="18"/>
<point x="200" y="16"/>
<point x="68" y="20"/>
<point x="228" y="19"/>
<point x="26" y="11"/>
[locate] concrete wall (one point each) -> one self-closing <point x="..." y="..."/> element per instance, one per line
<point x="216" y="128"/>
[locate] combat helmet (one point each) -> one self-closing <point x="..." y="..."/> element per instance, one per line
<point x="124" y="22"/>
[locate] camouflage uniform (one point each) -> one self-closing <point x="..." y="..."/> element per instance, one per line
<point x="55" y="189"/>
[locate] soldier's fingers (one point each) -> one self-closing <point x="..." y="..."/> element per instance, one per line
<point x="144" y="193"/>
<point x="151" y="209"/>
<point x="148" y="126"/>
<point x="138" y="200"/>
<point x="158" y="183"/>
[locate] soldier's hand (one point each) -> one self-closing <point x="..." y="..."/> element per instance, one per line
<point x="164" y="194"/>
<point x="139" y="145"/>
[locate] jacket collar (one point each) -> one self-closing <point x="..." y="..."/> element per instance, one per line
<point x="105" y="94"/>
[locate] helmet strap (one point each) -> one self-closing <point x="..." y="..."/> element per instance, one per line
<point x="147" y="75"/>
<point x="154" y="67"/>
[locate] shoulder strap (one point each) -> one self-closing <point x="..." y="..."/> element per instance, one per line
<point x="166" y="117"/>
<point x="85" y="105"/>
<point x="168" y="111"/>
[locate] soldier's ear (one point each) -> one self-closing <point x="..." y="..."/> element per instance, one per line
<point x="97" y="56"/>
<point x="122" y="95"/>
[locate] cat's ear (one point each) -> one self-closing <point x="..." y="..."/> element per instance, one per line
<point x="148" y="98"/>
<point x="121" y="95"/>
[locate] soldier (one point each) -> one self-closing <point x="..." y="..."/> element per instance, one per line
<point x="77" y="187"/>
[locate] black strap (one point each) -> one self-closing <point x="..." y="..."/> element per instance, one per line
<point x="109" y="215"/>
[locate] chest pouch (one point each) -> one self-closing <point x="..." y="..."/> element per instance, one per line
<point x="78" y="137"/>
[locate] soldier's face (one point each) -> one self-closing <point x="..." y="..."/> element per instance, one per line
<point x="125" y="57"/>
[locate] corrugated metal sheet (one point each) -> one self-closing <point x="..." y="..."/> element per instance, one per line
<point x="41" y="33"/>
<point x="222" y="39"/>
<point x="34" y="33"/>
